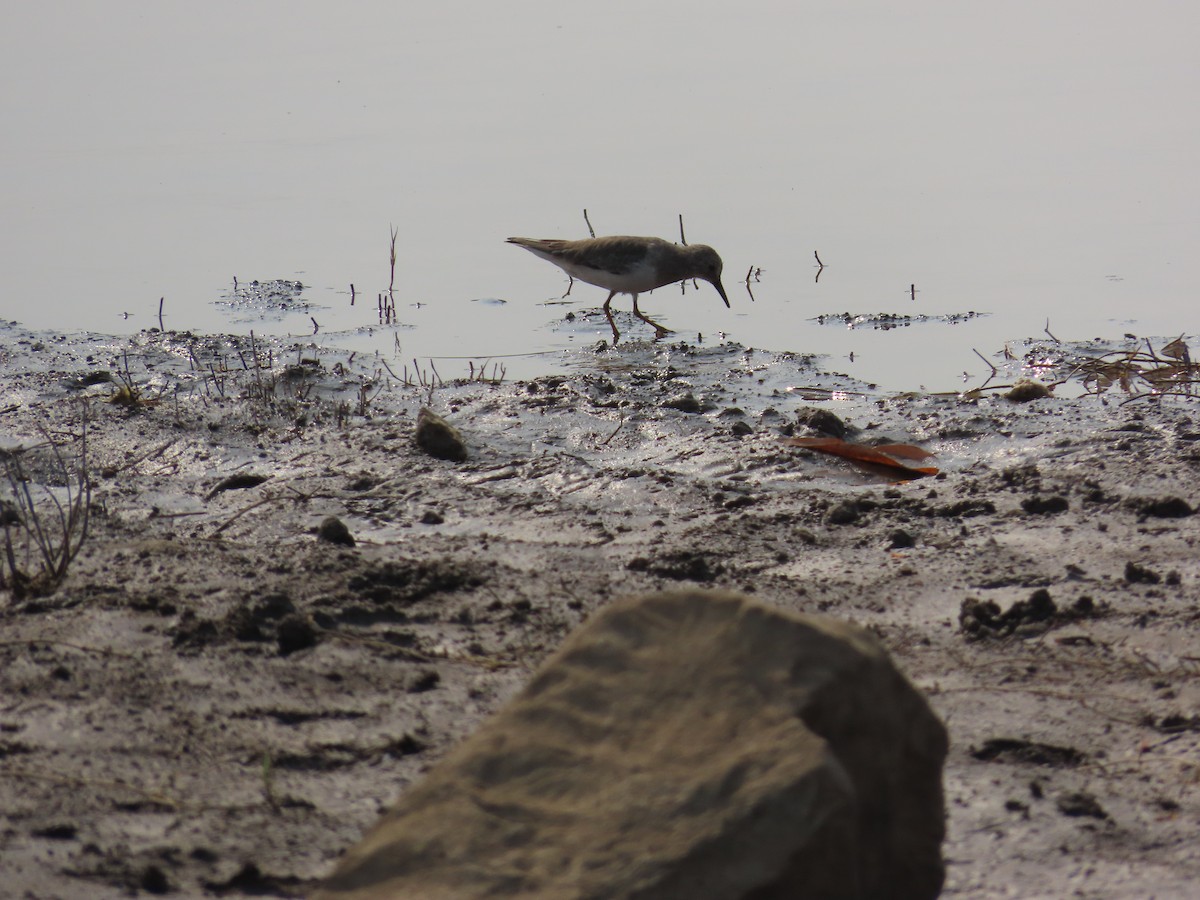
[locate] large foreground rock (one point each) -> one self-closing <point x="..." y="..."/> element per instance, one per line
<point x="687" y="745"/>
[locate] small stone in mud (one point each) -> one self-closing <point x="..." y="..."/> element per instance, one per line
<point x="1167" y="508"/>
<point x="844" y="513"/>
<point x="686" y="403"/>
<point x="439" y="438"/>
<point x="1080" y="804"/>
<point x="804" y="536"/>
<point x="295" y="633"/>
<point x="739" y="501"/>
<point x="1137" y="574"/>
<point x="1084" y="607"/>
<point x="823" y="421"/>
<point x="334" y="530"/>
<point x="236" y="483"/>
<point x="432" y="517"/>
<point x="1038" y="505"/>
<point x="740" y="429"/>
<point x="426" y="681"/>
<point x="1024" y="391"/>
<point x="901" y="539"/>
<point x="154" y="881"/>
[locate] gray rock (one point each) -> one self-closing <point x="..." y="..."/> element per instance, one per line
<point x="334" y="530"/>
<point x="439" y="438"/>
<point x="692" y="745"/>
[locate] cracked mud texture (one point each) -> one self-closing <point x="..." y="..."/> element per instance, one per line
<point x="219" y="697"/>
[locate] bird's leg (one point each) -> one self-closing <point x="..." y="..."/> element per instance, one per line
<point x="607" y="311"/>
<point x="660" y="331"/>
<point x="612" y="323"/>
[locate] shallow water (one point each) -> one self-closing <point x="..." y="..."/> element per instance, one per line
<point x="1021" y="161"/>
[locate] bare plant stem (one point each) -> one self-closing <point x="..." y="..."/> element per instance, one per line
<point x="392" y="279"/>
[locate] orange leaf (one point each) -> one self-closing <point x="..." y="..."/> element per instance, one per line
<point x="904" y="451"/>
<point x="873" y="459"/>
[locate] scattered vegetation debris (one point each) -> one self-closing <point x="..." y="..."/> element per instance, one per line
<point x="1017" y="806"/>
<point x="1172" y="723"/>
<point x="1166" y="508"/>
<point x="888" y="321"/>
<point x="407" y="581"/>
<point x="883" y="459"/>
<point x="966" y="509"/>
<point x="982" y="619"/>
<point x="1019" y="750"/>
<point x="100" y="376"/>
<point x="63" y="831"/>
<point x="681" y="565"/>
<point x="1080" y="803"/>
<point x="1142" y="373"/>
<point x="295" y="632"/>
<point x="1025" y="391"/>
<point x="237" y="482"/>
<point x="1139" y="574"/>
<point x="405" y="746"/>
<point x="277" y="293"/>
<point x="250" y="881"/>
<point x="1039" y="506"/>
<point x="439" y="438"/>
<point x="334" y="530"/>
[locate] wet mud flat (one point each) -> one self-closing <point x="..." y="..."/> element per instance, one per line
<point x="226" y="689"/>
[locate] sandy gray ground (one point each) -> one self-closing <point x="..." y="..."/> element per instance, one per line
<point x="218" y="702"/>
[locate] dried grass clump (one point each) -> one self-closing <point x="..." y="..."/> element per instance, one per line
<point x="1169" y="372"/>
<point x="44" y="527"/>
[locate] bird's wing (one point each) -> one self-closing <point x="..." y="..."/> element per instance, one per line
<point x="614" y="255"/>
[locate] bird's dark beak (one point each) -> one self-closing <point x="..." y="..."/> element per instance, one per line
<point x="721" y="291"/>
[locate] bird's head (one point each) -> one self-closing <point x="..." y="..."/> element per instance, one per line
<point x="707" y="265"/>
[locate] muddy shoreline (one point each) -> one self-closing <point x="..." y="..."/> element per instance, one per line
<point x="217" y="701"/>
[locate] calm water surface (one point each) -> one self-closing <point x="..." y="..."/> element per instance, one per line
<point x="1032" y="161"/>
